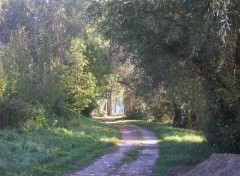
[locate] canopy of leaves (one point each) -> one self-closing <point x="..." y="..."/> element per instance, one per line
<point x="49" y="55"/>
<point x="191" y="48"/>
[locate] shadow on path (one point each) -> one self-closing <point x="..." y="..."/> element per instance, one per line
<point x="134" y="138"/>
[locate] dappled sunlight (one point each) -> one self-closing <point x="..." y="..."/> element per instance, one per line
<point x="138" y="149"/>
<point x="178" y="146"/>
<point x="186" y="138"/>
<point x="108" y="139"/>
<point x="63" y="131"/>
<point x="132" y="142"/>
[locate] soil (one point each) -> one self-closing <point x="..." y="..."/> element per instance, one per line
<point x="134" y="138"/>
<point x="181" y="169"/>
<point x="216" y="165"/>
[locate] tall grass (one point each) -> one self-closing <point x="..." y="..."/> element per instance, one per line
<point x="177" y="147"/>
<point x="66" y="145"/>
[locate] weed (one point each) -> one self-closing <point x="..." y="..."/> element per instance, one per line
<point x="131" y="155"/>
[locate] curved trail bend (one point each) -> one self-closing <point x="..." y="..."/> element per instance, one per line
<point x="136" y="155"/>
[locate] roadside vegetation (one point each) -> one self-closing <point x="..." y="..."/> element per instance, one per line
<point x="64" y="146"/>
<point x="53" y="70"/>
<point x="177" y="146"/>
<point x="167" y="61"/>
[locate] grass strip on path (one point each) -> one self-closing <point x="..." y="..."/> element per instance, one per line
<point x="67" y="146"/>
<point x="177" y="146"/>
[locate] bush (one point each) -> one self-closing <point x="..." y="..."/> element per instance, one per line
<point x="135" y="114"/>
<point x="88" y="110"/>
<point x="222" y="127"/>
<point x="59" y="109"/>
<point x="16" y="112"/>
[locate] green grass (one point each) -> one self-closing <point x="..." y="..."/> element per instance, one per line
<point x="67" y="146"/>
<point x="177" y="146"/>
<point x="130" y="156"/>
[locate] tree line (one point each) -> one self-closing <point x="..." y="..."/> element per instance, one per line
<point x="178" y="61"/>
<point x="50" y="60"/>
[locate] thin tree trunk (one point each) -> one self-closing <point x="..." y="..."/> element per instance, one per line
<point x="177" y="114"/>
<point x="237" y="56"/>
<point x="110" y="103"/>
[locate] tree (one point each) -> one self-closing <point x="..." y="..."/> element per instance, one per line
<point x="178" y="46"/>
<point x="80" y="85"/>
<point x="50" y="57"/>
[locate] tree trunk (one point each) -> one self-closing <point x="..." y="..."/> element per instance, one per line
<point x="177" y="120"/>
<point x="237" y="56"/>
<point x="110" y="103"/>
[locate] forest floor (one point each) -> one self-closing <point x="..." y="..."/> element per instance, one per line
<point x="135" y="155"/>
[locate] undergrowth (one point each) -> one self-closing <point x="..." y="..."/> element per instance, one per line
<point x="63" y="146"/>
<point x="177" y="147"/>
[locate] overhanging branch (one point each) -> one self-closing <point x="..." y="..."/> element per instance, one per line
<point x="127" y="84"/>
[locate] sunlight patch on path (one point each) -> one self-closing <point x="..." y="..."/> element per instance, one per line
<point x="133" y="138"/>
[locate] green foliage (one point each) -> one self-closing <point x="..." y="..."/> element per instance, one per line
<point x="135" y="114"/>
<point x="130" y="155"/>
<point x="44" y="58"/>
<point x="17" y="113"/>
<point x="31" y="74"/>
<point x="187" y="48"/>
<point x="222" y="127"/>
<point x="2" y="82"/>
<point x="79" y="84"/>
<point x="157" y="106"/>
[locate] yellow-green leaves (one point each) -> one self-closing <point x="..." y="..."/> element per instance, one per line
<point x="79" y="82"/>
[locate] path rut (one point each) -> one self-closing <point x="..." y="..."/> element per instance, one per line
<point x="134" y="138"/>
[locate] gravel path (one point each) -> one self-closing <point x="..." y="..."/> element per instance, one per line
<point x="139" y="141"/>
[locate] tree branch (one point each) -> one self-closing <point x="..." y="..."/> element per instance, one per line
<point x="127" y="84"/>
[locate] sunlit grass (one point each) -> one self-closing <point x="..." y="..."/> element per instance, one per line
<point x="67" y="146"/>
<point x="177" y="146"/>
<point x="187" y="138"/>
<point x="105" y="139"/>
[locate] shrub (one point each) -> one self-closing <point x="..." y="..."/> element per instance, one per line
<point x="222" y="127"/>
<point x="88" y="110"/>
<point x="16" y="112"/>
<point x="135" y="114"/>
<point x="58" y="109"/>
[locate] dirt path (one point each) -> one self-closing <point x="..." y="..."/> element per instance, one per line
<point x="136" y="155"/>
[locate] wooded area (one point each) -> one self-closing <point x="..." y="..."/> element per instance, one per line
<point x="185" y="60"/>
<point x="171" y="61"/>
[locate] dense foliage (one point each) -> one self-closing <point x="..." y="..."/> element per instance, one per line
<point x="48" y="56"/>
<point x="190" y="49"/>
<point x="178" y="61"/>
